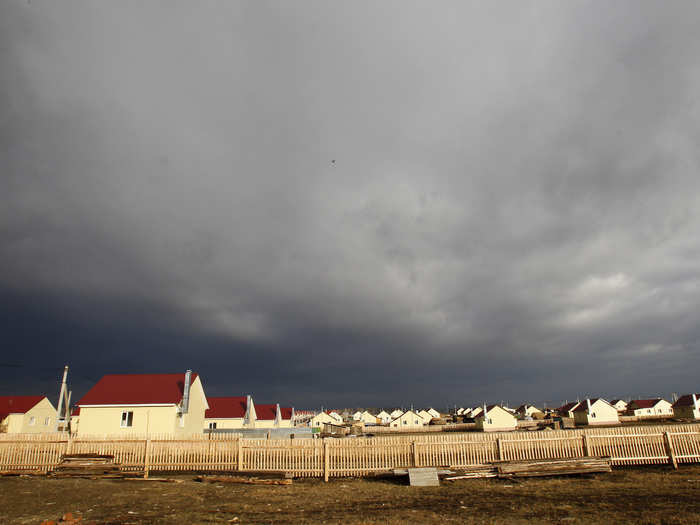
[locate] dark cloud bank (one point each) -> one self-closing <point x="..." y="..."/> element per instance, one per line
<point x="352" y="203"/>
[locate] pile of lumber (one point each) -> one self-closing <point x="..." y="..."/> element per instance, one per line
<point x="478" y="471"/>
<point x="537" y="467"/>
<point x="244" y="480"/>
<point x="87" y="465"/>
<point x="553" y="467"/>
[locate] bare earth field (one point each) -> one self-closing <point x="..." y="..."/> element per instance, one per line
<point x="652" y="495"/>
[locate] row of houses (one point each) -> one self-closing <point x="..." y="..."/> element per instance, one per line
<point x="144" y="404"/>
<point x="395" y="418"/>
<point x="596" y="411"/>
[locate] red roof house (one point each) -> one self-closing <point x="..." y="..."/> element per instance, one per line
<point x="230" y="412"/>
<point x="567" y="410"/>
<point x="144" y="404"/>
<point x="137" y="389"/>
<point x="650" y="408"/>
<point x="17" y="404"/>
<point x="267" y="414"/>
<point x="27" y="414"/>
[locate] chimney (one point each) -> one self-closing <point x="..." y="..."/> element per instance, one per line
<point x="695" y="402"/>
<point x="186" y="393"/>
<point x="248" y="410"/>
<point x="278" y="415"/>
<point x="588" y="403"/>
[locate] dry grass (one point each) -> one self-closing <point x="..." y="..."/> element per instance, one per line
<point x="651" y="495"/>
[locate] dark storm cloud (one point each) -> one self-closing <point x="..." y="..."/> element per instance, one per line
<point x="354" y="203"/>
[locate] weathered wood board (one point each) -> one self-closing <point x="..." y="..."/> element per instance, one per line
<point x="423" y="477"/>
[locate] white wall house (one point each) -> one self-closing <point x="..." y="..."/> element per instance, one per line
<point x="122" y="404"/>
<point x="496" y="419"/>
<point x="596" y="412"/>
<point x="650" y="408"/>
<point x="396" y="413"/>
<point x="330" y="417"/>
<point x="425" y="416"/>
<point x="27" y="414"/>
<point x="268" y="416"/>
<point x="368" y="418"/>
<point x="619" y="404"/>
<point x="529" y="411"/>
<point x="408" y="419"/>
<point x="384" y="417"/>
<point x="230" y="413"/>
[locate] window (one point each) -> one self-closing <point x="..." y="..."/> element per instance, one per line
<point x="47" y="421"/>
<point x="32" y="420"/>
<point x="416" y="422"/>
<point x="127" y="419"/>
<point x="593" y="414"/>
<point x="212" y="426"/>
<point x="405" y="422"/>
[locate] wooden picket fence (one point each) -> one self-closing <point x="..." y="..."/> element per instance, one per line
<point x="329" y="457"/>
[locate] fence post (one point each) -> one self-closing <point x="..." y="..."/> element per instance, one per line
<point x="326" y="455"/>
<point x="239" y="455"/>
<point x="669" y="449"/>
<point x="147" y="458"/>
<point x="499" y="446"/>
<point x="69" y="445"/>
<point x="414" y="453"/>
<point x="584" y="439"/>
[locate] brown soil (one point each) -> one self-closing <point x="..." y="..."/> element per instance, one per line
<point x="647" y="495"/>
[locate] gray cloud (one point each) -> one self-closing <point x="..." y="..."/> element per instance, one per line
<point x="363" y="203"/>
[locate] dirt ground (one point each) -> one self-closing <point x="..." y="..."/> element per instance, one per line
<point x="645" y="495"/>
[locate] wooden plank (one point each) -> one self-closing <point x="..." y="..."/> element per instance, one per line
<point x="669" y="449"/>
<point x="423" y="477"/>
<point x="325" y="460"/>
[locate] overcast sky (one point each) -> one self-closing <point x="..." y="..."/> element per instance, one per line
<point x="352" y="203"/>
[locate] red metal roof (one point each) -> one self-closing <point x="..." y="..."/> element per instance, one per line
<point x="286" y="412"/>
<point x="137" y="389"/>
<point x="643" y="403"/>
<point x="266" y="412"/>
<point x="568" y="407"/>
<point x="226" y="407"/>
<point x="17" y="404"/>
<point x="584" y="406"/>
